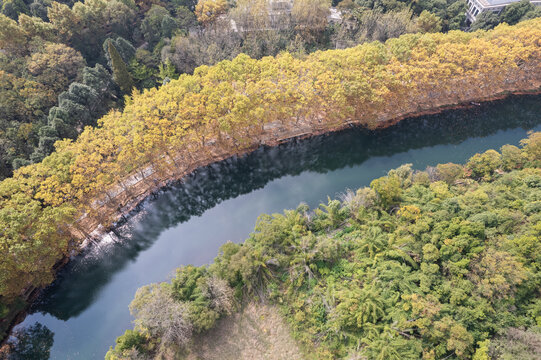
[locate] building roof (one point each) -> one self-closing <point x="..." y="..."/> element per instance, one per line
<point x="499" y="3"/>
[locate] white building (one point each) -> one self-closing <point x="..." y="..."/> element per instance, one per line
<point x="476" y="7"/>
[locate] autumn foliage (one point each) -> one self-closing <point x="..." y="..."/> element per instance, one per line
<point x="47" y="208"/>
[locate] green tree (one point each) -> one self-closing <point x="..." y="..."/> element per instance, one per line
<point x="142" y="74"/>
<point x="157" y="24"/>
<point x="449" y="172"/>
<point x="456" y="15"/>
<point x="485" y="21"/>
<point x="389" y="190"/>
<point x="484" y="165"/>
<point x="167" y="71"/>
<point x="512" y="13"/>
<point x="124" y="48"/>
<point x="39" y="9"/>
<point x="12" y="8"/>
<point x="512" y="157"/>
<point x="185" y="18"/>
<point x="121" y="75"/>
<point x="428" y="22"/>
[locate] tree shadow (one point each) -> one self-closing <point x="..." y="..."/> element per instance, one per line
<point x="78" y="284"/>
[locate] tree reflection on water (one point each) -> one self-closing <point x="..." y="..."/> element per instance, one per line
<point x="29" y="343"/>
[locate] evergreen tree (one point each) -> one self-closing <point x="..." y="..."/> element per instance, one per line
<point x="485" y="21"/>
<point x="123" y="46"/>
<point x="99" y="79"/>
<point x="121" y="76"/>
<point x="511" y="14"/>
<point x="12" y="8"/>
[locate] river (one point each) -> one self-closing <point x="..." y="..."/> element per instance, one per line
<point x="87" y="307"/>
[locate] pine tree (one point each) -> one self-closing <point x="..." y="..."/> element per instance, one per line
<point x="120" y="71"/>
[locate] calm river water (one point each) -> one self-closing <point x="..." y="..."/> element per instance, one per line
<point x="87" y="307"/>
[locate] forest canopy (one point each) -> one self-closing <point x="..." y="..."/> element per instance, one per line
<point x="47" y="209"/>
<point x="435" y="264"/>
<point x="64" y="64"/>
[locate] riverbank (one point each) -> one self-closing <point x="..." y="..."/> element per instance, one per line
<point x="86" y="186"/>
<point x="150" y="191"/>
<point x="153" y="182"/>
<point x="351" y="276"/>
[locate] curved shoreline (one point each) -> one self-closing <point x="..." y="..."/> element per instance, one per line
<point x="134" y="201"/>
<point x="234" y="107"/>
<point x="152" y="187"/>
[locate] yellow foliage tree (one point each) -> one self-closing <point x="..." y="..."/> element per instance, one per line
<point x="235" y="106"/>
<point x="207" y="11"/>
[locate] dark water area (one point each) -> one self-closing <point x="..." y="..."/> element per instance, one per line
<point x="81" y="314"/>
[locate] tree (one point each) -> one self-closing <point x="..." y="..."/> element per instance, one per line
<point x="375" y="25"/>
<point x="389" y="190"/>
<point x="428" y="22"/>
<point x="532" y="14"/>
<point x="251" y="15"/>
<point x="119" y="16"/>
<point x="155" y="310"/>
<point x="78" y="106"/>
<point x="207" y="11"/>
<point x="512" y="157"/>
<point x="131" y="342"/>
<point x="485" y="21"/>
<point x="12" y="8"/>
<point x="124" y="48"/>
<point x="532" y="148"/>
<point x="62" y="123"/>
<point x="12" y="38"/>
<point x="99" y="79"/>
<point x="484" y="165"/>
<point x="35" y="28"/>
<point x="449" y="172"/>
<point x="185" y="18"/>
<point x="65" y="21"/>
<point x="456" y="15"/>
<point x="310" y="17"/>
<point x="157" y="24"/>
<point x="120" y="71"/>
<point x="39" y="9"/>
<point x="188" y="4"/>
<point x="167" y="71"/>
<point x="56" y="65"/>
<point x="219" y="293"/>
<point x="512" y="13"/>
<point x="83" y="95"/>
<point x="496" y="274"/>
<point x="143" y="75"/>
<point x="390" y="346"/>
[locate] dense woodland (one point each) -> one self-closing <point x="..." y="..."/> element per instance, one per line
<point x="435" y="264"/>
<point x="64" y="64"/>
<point x="48" y="208"/>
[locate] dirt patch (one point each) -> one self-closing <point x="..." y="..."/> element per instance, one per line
<point x="257" y="332"/>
